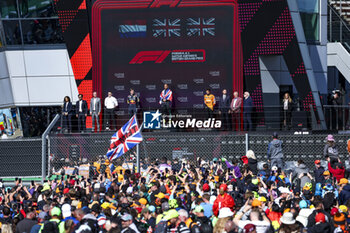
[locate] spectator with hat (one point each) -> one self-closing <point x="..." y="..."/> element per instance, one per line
<point x="327" y="177"/>
<point x="53" y="225"/>
<point x="318" y="172"/>
<point x="331" y="150"/>
<point x="340" y="223"/>
<point x="174" y="224"/>
<point x="288" y="224"/>
<point x="344" y="189"/>
<point x="321" y="225"/>
<point x="223" y="200"/>
<point x="250" y="228"/>
<point x="204" y="223"/>
<point x="225" y="215"/>
<point x="127" y="224"/>
<point x="318" y="208"/>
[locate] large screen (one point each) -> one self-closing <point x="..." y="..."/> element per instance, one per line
<point x="191" y="49"/>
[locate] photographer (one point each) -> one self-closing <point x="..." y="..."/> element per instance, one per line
<point x="336" y="101"/>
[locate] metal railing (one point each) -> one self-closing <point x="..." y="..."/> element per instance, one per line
<point x="273" y="118"/>
<point x="338" y="28"/>
<point x="337" y="117"/>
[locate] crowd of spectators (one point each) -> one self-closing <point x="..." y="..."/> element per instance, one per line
<point x="184" y="196"/>
<point x="36" y="119"/>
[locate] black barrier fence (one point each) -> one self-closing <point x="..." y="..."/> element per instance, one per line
<point x="20" y="158"/>
<point x="73" y="150"/>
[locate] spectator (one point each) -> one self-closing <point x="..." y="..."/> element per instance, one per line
<point x="27" y="223"/>
<point x="87" y="222"/>
<point x="53" y="225"/>
<point x="252" y="162"/>
<point x="223" y="200"/>
<point x="274" y="152"/>
<point x="202" y="221"/>
<point x="319" y="170"/>
<point x="302" y="173"/>
<point x="248" y="106"/>
<point x="262" y="226"/>
<point x="344" y="189"/>
<point x="288" y="224"/>
<point x="338" y="172"/>
<point x="41" y="219"/>
<point x="127" y="224"/>
<point x="331" y="150"/>
<point x="321" y="225"/>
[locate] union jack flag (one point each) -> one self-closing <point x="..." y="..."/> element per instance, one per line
<point x="200" y="27"/>
<point x="124" y="139"/>
<point x="166" y="27"/>
<point x="166" y="95"/>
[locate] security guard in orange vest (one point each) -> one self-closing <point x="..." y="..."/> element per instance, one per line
<point x="209" y="103"/>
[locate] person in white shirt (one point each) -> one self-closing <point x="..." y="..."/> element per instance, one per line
<point x="110" y="104"/>
<point x="3" y="135"/>
<point x="262" y="226"/>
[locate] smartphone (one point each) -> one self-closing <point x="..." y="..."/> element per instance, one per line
<point x="20" y="180"/>
<point x="106" y="175"/>
<point x="32" y="182"/>
<point x="113" y="175"/>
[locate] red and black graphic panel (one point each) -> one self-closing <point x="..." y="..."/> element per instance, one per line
<point x="74" y="21"/>
<point x="267" y="29"/>
<point x="191" y="45"/>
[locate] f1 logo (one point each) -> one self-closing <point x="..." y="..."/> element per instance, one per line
<point x="156" y="56"/>
<point x="159" y="3"/>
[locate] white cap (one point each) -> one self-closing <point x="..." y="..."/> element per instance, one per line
<point x="66" y="211"/>
<point x="284" y="190"/>
<point x="225" y="212"/>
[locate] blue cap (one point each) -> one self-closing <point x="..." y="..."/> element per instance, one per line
<point x="303" y="204"/>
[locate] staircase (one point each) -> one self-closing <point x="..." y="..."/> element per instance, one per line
<point x="342" y="7"/>
<point x="339" y="22"/>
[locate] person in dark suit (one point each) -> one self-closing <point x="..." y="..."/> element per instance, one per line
<point x="287" y="107"/>
<point x="95" y="111"/>
<point x="66" y="120"/>
<point x="247" y="111"/>
<point x="81" y="110"/>
<point x="236" y="105"/>
<point x="224" y="110"/>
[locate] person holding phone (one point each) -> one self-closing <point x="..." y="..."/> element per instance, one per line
<point x="301" y="172"/>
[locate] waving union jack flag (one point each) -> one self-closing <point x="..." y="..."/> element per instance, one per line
<point x="166" y="27"/>
<point x="200" y="27"/>
<point x="124" y="139"/>
<point x="166" y="95"/>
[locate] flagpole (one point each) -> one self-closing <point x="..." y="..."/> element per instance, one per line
<point x="138" y="153"/>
